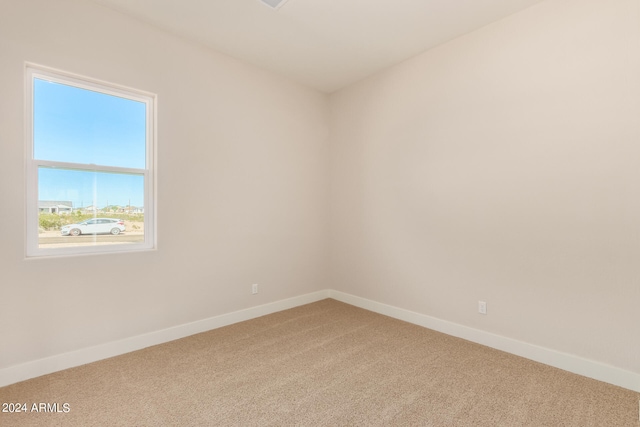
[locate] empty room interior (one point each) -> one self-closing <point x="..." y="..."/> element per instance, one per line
<point x="329" y="187"/>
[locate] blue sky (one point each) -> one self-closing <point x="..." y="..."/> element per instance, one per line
<point x="82" y="126"/>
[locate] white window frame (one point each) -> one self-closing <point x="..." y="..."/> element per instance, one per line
<point x="33" y="249"/>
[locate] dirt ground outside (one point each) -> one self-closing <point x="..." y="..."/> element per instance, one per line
<point x="131" y="227"/>
<point x="134" y="233"/>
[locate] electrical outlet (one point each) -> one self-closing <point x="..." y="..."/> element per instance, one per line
<point x="482" y="307"/>
<point x="254" y="288"/>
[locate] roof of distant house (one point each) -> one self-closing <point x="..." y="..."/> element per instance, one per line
<point x="54" y="203"/>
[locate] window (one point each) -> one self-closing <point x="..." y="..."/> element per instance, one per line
<point x="90" y="166"/>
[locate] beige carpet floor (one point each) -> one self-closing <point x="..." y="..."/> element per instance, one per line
<point x="322" y="364"/>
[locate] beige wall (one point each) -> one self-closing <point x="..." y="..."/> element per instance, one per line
<point x="502" y="166"/>
<point x="241" y="189"/>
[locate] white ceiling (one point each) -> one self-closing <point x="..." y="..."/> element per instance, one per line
<point x="325" y="44"/>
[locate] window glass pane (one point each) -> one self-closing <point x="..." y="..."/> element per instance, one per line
<point x="76" y="125"/>
<point x="72" y="206"/>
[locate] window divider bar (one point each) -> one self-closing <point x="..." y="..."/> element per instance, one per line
<point x="87" y="167"/>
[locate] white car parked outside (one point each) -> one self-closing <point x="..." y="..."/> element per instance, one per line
<point x="94" y="226"/>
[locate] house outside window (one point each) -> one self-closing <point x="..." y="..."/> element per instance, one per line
<point x="55" y="207"/>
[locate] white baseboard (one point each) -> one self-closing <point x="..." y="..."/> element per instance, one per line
<point x="36" y="368"/>
<point x="568" y="362"/>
